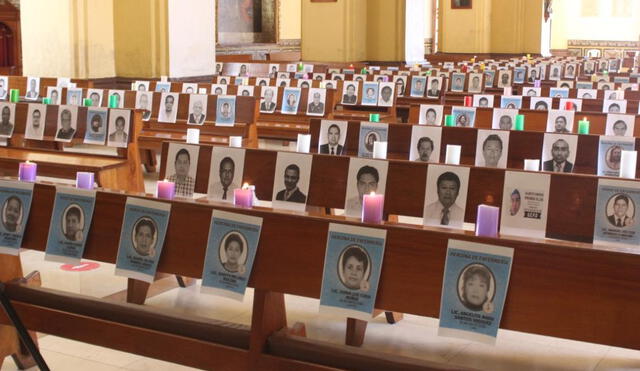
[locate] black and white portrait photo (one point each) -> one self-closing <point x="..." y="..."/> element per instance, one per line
<point x="291" y="181"/>
<point x="431" y="114"/>
<point x="33" y="88"/>
<point x="492" y="147"/>
<point x="181" y="167"/>
<point x="386" y="94"/>
<point x="350" y="92"/>
<point x="559" y="152"/>
<point x="504" y="118"/>
<point x="145" y="237"/>
<point x="333" y="135"/>
<point x="36" y="118"/>
<point x="316" y="101"/>
<point x="268" y="99"/>
<point x="446" y="196"/>
<point x="168" y="110"/>
<point x="483" y="100"/>
<point x="620" y="125"/>
<point x="67" y="123"/>
<point x="7" y="119"/>
<point x="226" y="172"/>
<point x="425" y="143"/>
<point x="72" y="223"/>
<point x="118" y="135"/>
<point x="197" y="109"/>
<point x="365" y="176"/>
<point x="560" y="121"/>
<point x="12" y="214"/>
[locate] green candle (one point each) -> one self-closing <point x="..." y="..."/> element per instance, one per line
<point x="583" y="126"/>
<point x="519" y="122"/>
<point x="428" y="73"/>
<point x="448" y="121"/>
<point x="363" y="71"/>
<point x="88" y="102"/>
<point x="113" y="101"/>
<point x="374" y="117"/>
<point x="14" y="96"/>
<point x="46" y="100"/>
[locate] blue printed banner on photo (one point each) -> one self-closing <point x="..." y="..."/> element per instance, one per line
<point x="476" y="279"/>
<point x="70" y="224"/>
<point x="225" y="110"/>
<point x="610" y="154"/>
<point x="232" y="246"/>
<point x="141" y="238"/>
<point x="15" y="198"/>
<point x="352" y="266"/>
<point x="370" y="133"/>
<point x="616" y="208"/>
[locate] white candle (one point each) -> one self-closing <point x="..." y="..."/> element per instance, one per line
<point x="532" y="165"/>
<point x="380" y="150"/>
<point x="164" y="78"/>
<point x="453" y="154"/>
<point x="193" y="136"/>
<point x="628" y="164"/>
<point x="507" y="90"/>
<point x="304" y="143"/>
<point x="235" y="142"/>
<point x="202" y="91"/>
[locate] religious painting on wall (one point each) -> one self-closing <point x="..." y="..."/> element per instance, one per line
<point x="246" y="21"/>
<point x="461" y="4"/>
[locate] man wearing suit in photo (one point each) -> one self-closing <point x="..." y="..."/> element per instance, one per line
<point x="559" y="162"/>
<point x="619" y="218"/>
<point x="291" y="193"/>
<point x="333" y="146"/>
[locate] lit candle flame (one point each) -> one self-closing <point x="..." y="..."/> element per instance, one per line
<point x="245" y="186"/>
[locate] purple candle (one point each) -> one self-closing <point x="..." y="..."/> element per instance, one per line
<point x="166" y="189"/>
<point x="84" y="180"/>
<point x="487" y="221"/>
<point x="537" y="83"/>
<point x="243" y="197"/>
<point x="372" y="206"/>
<point x="27" y="171"/>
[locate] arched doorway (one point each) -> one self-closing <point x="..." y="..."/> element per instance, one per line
<point x="7" y="51"/>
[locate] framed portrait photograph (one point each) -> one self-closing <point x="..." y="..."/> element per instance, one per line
<point x="291" y="181"/>
<point x="96" y="97"/>
<point x="616" y="207"/>
<point x="446" y="196"/>
<point x="350" y="92"/>
<point x="7" y="119"/>
<point x="268" y="99"/>
<point x="96" y="131"/>
<point x="181" y="168"/>
<point x="425" y="143"/>
<point x="560" y="121"/>
<point x="218" y="89"/>
<point x="492" y="147"/>
<point x="620" y="125"/>
<point x="614" y="106"/>
<point x="365" y="176"/>
<point x="189" y="88"/>
<point x="70" y="224"/>
<point x="483" y="100"/>
<point x="370" y="90"/>
<point x="67" y="123"/>
<point x="333" y="135"/>
<point x="197" y="109"/>
<point x="504" y="118"/>
<point x="559" y="152"/>
<point x="464" y="116"/>
<point x="352" y="266"/>
<point x="225" y="110"/>
<point x="226" y="173"/>
<point x="371" y="132"/>
<point x="457" y="82"/>
<point x="512" y="102"/>
<point x="168" y="110"/>
<point x="245" y="91"/>
<point x="610" y="153"/>
<point x="15" y="198"/>
<point x="33" y="88"/>
<point x="144" y="102"/>
<point x="290" y="101"/>
<point x="316" y="101"/>
<point x="118" y="128"/>
<point x="36" y="119"/>
<point x="385" y="95"/>
<point x="231" y="249"/>
<point x="431" y="114"/>
<point x="475" y="83"/>
<point x="53" y="93"/>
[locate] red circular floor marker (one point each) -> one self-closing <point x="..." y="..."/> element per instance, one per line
<point x="82" y="267"/>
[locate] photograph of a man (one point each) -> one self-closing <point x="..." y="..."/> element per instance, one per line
<point x="559" y="161"/>
<point x="621" y="210"/>
<point x="12" y="214"/>
<point x="185" y="183"/>
<point x="445" y="209"/>
<point x="291" y="193"/>
<point x="333" y="146"/>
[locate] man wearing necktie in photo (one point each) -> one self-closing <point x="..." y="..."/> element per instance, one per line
<point x="446" y="209"/>
<point x="333" y="147"/>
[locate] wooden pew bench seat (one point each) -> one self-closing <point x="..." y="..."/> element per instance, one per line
<point x="111" y="171"/>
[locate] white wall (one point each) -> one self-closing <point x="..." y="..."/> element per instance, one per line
<point x="568" y="24"/>
<point x="192" y="44"/>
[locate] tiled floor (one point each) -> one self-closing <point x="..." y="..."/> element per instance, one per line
<point x="413" y="336"/>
